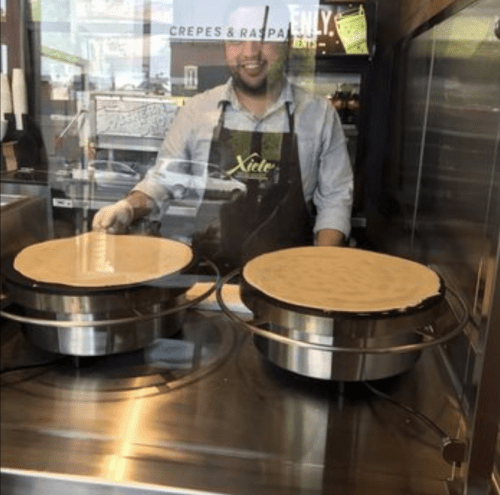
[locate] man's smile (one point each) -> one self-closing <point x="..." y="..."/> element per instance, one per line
<point x="252" y="65"/>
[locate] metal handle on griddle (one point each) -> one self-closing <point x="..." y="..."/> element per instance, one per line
<point x="400" y="349"/>
<point x="117" y="321"/>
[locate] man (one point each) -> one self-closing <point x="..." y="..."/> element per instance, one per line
<point x="285" y="145"/>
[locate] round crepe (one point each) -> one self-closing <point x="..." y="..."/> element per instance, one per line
<point x="342" y="279"/>
<point x="97" y="259"/>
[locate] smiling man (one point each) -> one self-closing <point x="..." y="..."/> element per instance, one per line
<point x="286" y="145"/>
<point x="258" y="52"/>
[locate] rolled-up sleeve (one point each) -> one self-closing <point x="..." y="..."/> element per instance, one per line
<point x="333" y="194"/>
<point x="175" y="145"/>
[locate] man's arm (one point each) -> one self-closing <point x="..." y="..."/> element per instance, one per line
<point x="329" y="237"/>
<point x="151" y="193"/>
<point x="334" y="191"/>
<point x="141" y="203"/>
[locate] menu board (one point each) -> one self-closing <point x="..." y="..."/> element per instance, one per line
<point x="134" y="116"/>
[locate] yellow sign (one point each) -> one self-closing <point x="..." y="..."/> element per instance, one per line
<point x="351" y="27"/>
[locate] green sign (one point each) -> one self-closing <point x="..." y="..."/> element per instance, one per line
<point x="351" y="27"/>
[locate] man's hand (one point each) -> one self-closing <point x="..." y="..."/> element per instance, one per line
<point x="329" y="237"/>
<point x="115" y="218"/>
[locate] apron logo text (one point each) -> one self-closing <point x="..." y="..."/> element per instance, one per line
<point x="251" y="167"/>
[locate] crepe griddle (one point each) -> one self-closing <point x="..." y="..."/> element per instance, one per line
<point x="90" y="321"/>
<point x="13" y="276"/>
<point x="335" y="344"/>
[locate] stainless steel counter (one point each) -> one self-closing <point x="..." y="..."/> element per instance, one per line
<point x="205" y="414"/>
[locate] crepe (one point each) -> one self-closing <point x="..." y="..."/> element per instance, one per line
<point x="97" y="259"/>
<point x="342" y="279"/>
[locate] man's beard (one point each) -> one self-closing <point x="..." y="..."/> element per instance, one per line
<point x="260" y="89"/>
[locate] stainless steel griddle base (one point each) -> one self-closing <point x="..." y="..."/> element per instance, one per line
<point x="235" y="424"/>
<point x="95" y="321"/>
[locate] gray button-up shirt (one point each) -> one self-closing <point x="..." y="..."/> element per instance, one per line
<point x="326" y="171"/>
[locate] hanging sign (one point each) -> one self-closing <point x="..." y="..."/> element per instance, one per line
<point x="342" y="30"/>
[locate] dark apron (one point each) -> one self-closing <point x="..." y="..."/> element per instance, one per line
<point x="272" y="214"/>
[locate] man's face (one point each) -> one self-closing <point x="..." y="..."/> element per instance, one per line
<point x="256" y="66"/>
<point x="256" y="63"/>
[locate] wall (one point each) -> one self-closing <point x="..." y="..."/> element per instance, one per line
<point x="397" y="19"/>
<point x="414" y="13"/>
<point x="10" y="34"/>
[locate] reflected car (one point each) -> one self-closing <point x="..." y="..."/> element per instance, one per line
<point x="189" y="180"/>
<point x="220" y="185"/>
<point x="109" y="174"/>
<point x="184" y="179"/>
<point x="110" y="179"/>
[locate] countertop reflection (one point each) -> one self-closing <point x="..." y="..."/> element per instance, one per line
<point x="222" y="420"/>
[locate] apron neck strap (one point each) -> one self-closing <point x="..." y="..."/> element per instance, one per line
<point x="220" y="122"/>
<point x="291" y="117"/>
